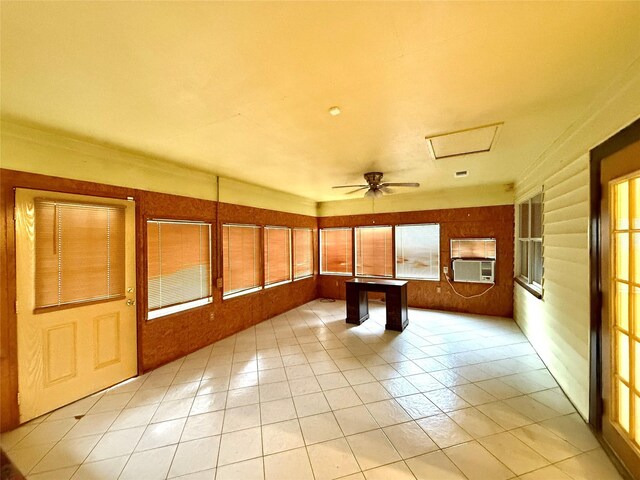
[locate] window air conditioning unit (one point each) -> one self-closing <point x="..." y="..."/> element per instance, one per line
<point x="474" y="271"/>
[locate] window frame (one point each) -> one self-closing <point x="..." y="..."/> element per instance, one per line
<point x="395" y="260"/>
<point x="320" y="256"/>
<point x="289" y="230"/>
<point x="526" y="280"/>
<point x="355" y="251"/>
<point x="293" y="253"/>
<point x="247" y="291"/>
<point x="191" y="304"/>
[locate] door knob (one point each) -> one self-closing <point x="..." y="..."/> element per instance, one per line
<point x="130" y="302"/>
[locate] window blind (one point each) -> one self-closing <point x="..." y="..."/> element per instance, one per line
<point x="80" y="252"/>
<point x="335" y="251"/>
<point x="277" y="255"/>
<point x="303" y="252"/>
<point x="418" y="251"/>
<point x="241" y="258"/>
<point x="178" y="260"/>
<point x="374" y="251"/>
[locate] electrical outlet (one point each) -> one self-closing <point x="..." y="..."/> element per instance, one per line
<point x="445" y="270"/>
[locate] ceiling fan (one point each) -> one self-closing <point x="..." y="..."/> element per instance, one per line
<point x="375" y="187"/>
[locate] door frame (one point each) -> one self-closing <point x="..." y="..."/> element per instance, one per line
<point x="620" y="140"/>
<point x="9" y="180"/>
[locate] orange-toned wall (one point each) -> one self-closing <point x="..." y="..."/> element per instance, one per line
<point x="163" y="339"/>
<point x="478" y="222"/>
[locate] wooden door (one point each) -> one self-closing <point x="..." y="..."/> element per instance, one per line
<point x="620" y="285"/>
<point x="75" y="282"/>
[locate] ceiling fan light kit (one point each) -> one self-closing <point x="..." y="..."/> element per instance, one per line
<point x="375" y="186"/>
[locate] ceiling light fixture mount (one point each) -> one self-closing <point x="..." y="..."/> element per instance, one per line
<point x="461" y="173"/>
<point x="335" y="111"/>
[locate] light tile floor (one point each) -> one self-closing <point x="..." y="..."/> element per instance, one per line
<point x="305" y="396"/>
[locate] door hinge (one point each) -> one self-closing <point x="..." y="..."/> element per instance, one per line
<point x="18" y="396"/>
<point x="16" y="306"/>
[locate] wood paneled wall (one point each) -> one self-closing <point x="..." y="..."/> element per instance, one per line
<point x="480" y="222"/>
<point x="167" y="338"/>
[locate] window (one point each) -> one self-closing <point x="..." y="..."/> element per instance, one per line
<point x="374" y="251"/>
<point x="418" y="251"/>
<point x="178" y="266"/>
<point x="79" y="252"/>
<point x="277" y="255"/>
<point x="470" y="248"/>
<point x="529" y="265"/>
<point x="241" y="259"/>
<point x="303" y="252"/>
<point x="336" y="251"/>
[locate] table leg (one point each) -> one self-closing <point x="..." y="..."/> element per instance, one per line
<point x="357" y="305"/>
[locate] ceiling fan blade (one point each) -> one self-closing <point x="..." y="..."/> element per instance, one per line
<point x="387" y="190"/>
<point x="357" y="190"/>
<point x="400" y="184"/>
<point x="351" y="186"/>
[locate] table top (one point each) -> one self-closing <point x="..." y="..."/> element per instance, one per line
<point x="378" y="281"/>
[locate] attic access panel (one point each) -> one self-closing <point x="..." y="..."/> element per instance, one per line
<point x="463" y="142"/>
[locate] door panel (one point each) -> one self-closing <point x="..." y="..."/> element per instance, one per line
<point x="620" y="282"/>
<point x="71" y="350"/>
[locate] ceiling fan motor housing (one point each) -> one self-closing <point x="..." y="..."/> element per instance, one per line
<point x="373" y="178"/>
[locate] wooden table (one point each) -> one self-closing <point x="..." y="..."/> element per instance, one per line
<point x="395" y="292"/>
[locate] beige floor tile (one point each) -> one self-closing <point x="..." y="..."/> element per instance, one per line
<point x="473" y="394"/>
<point x="531" y="408"/>
<point x="242" y="396"/>
<point x="248" y="470"/>
<point x="116" y="444"/>
<point x="320" y="428"/>
<point x="172" y="409"/>
<point x="372" y="449"/>
<point x="498" y="389"/>
<point x="62" y="474"/>
<point x="161" y="434"/>
<point x="274" y="391"/>
<point x="372" y="392"/>
<point x="355" y="420"/>
<point x="395" y="471"/>
<point x="330" y="381"/>
<point x="517" y="456"/>
<point x="46" y="432"/>
<point x="240" y="418"/>
<point x="409" y="439"/>
<point x="271" y="376"/>
<point x="289" y="465"/>
<point x="434" y="466"/>
<point x="418" y="406"/>
<point x="298" y="371"/>
<point x="27" y="458"/>
<point x="239" y="446"/>
<point x="150" y="465"/>
<point x="332" y="459"/>
<point x="477" y="463"/>
<point x="475" y="423"/>
<point x="179" y="391"/>
<point x="134" y="417"/>
<point x="277" y="411"/>
<point x="342" y="398"/>
<point x="208" y="403"/>
<point x="445" y="378"/>
<point x="11" y="438"/>
<point x="67" y="453"/>
<point x="311" y="404"/>
<point x="358" y="376"/>
<point x="399" y="387"/>
<point x="388" y="412"/>
<point x="446" y="400"/>
<point x="242" y="380"/>
<point x="550" y="472"/>
<point x="573" y="429"/>
<point x="444" y="431"/>
<point x="92" y="425"/>
<point x="590" y="465"/>
<point x="504" y="415"/>
<point x="108" y="469"/>
<point x="554" y="398"/>
<point x="281" y="436"/>
<point x="545" y="442"/>
<point x="195" y="456"/>
<point x="304" y="386"/>
<point x="204" y="425"/>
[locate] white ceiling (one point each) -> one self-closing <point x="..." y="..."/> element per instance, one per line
<point x="243" y="89"/>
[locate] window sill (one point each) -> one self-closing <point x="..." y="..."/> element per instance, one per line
<point x="240" y="294"/>
<point x="163" y="312"/>
<point x="303" y="278"/>
<point x="277" y="284"/>
<point x="336" y="274"/>
<point x="529" y="288"/>
<point x="416" y="279"/>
